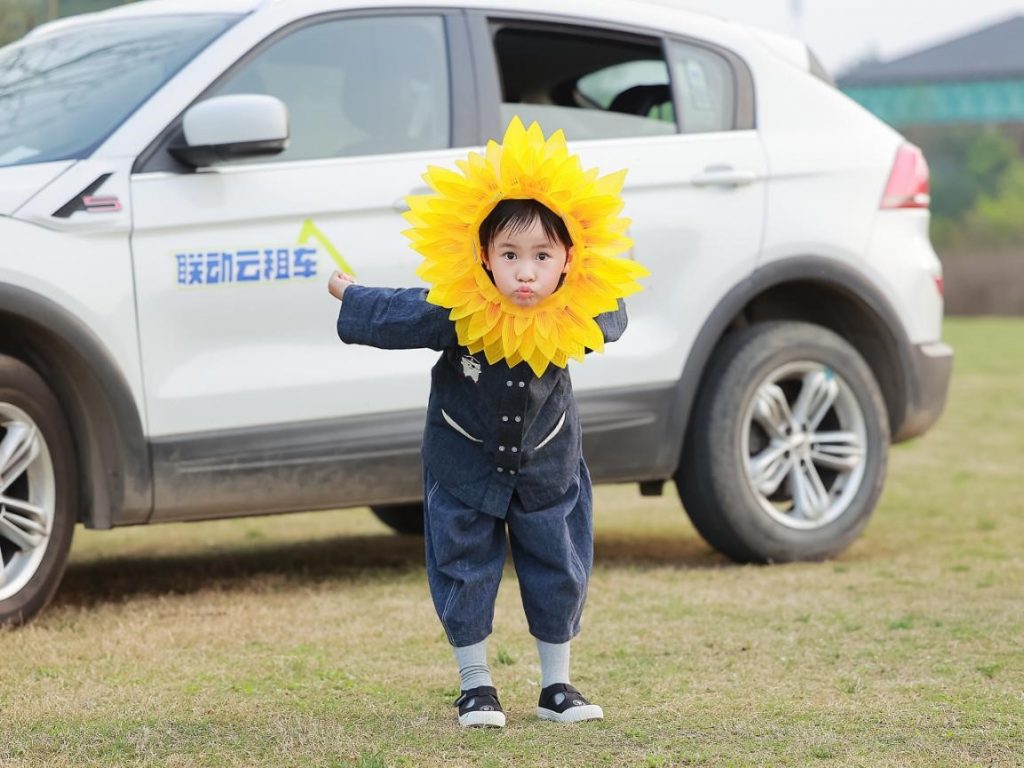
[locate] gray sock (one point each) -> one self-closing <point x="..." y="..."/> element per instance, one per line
<point x="554" y="662"/>
<point x="473" y="669"/>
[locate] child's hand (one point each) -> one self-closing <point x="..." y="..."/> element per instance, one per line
<point x="338" y="282"/>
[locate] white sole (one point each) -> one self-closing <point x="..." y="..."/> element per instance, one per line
<point x="573" y="714"/>
<point x="482" y="719"/>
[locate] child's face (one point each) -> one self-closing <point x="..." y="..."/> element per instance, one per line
<point x="526" y="265"/>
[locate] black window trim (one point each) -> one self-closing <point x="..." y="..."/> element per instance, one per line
<point x="489" y="77"/>
<point x="744" y="113"/>
<point x="482" y="22"/>
<point x="464" y="124"/>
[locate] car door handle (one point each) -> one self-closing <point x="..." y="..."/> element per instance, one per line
<point x="723" y="176"/>
<point x="401" y="206"/>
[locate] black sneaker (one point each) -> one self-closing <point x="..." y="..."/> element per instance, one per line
<point x="564" y="704"/>
<point x="479" y="707"/>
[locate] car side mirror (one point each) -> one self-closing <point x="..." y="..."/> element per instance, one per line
<point x="231" y="128"/>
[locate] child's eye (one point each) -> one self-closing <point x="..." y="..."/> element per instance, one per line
<point x="543" y="256"/>
<point x="508" y="255"/>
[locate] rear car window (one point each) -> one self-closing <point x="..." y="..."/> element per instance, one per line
<point x="591" y="83"/>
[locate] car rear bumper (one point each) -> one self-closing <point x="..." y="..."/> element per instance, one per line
<point x="930" y="369"/>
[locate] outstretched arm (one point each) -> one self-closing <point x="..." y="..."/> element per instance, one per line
<point x="390" y="318"/>
<point x="612" y="324"/>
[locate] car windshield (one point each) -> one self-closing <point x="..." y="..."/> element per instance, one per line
<point x="63" y="93"/>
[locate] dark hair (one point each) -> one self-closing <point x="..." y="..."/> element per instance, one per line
<point x="517" y="215"/>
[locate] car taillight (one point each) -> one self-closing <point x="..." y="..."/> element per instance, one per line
<point x="909" y="185"/>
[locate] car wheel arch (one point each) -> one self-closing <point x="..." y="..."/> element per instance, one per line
<point x="115" y="479"/>
<point x="846" y="302"/>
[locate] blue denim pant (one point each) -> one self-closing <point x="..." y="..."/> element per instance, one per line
<point x="552" y="549"/>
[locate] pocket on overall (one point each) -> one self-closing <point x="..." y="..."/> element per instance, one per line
<point x="553" y="433"/>
<point x="457" y="427"/>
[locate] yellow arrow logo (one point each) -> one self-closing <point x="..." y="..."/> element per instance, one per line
<point x="310" y="231"/>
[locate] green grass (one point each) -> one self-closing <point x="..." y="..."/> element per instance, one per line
<point x="310" y="639"/>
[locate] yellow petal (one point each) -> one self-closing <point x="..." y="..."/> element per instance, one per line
<point x="544" y="323"/>
<point x="508" y="336"/>
<point x="526" y="342"/>
<point x="547" y="344"/>
<point x="538" y="363"/>
<point x="481" y="323"/>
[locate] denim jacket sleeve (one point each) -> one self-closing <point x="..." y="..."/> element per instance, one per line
<point x="612" y="324"/>
<point x="394" y="318"/>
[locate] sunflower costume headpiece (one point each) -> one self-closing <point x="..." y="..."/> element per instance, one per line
<point x="445" y="231"/>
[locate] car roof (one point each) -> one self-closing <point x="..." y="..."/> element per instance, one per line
<point x="142" y="10"/>
<point x="631" y="13"/>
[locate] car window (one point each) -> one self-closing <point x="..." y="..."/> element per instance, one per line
<point x="357" y="86"/>
<point x="705" y="88"/>
<point x="62" y="93"/>
<point x="591" y="84"/>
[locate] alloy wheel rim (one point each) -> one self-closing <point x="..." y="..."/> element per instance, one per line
<point x="27" y="499"/>
<point x="804" y="445"/>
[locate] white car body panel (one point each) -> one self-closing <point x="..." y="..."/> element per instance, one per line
<point x="82" y="263"/>
<point x="19" y="183"/>
<point x="840" y="146"/>
<point x="900" y="255"/>
<point x="687" y="236"/>
<point x="274" y="355"/>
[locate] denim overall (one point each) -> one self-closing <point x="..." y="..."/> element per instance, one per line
<point x="501" y="448"/>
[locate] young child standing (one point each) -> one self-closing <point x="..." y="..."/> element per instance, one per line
<point x="502" y="443"/>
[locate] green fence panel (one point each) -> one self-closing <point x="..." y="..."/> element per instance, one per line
<point x="999" y="101"/>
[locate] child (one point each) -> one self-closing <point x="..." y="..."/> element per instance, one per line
<point x="501" y="448"/>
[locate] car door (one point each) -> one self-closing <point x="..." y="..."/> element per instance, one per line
<point x="678" y="113"/>
<point x="247" y="383"/>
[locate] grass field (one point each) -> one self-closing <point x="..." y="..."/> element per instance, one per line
<point x="310" y="639"/>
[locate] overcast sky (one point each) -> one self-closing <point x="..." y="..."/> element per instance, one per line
<point x="844" y="31"/>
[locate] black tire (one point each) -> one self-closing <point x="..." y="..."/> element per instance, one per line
<point x="714" y="478"/>
<point x="406" y="519"/>
<point x="22" y="389"/>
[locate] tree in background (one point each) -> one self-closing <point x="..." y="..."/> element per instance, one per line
<point x="977" y="213"/>
<point x="998" y="219"/>
<point x="17" y="17"/>
<point x="977" y="184"/>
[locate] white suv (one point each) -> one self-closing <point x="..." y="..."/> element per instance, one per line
<point x="176" y="185"/>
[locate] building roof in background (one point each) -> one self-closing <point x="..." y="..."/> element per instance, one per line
<point x="993" y="53"/>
